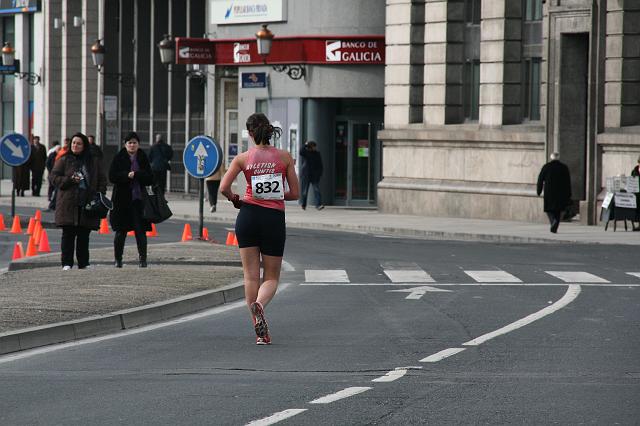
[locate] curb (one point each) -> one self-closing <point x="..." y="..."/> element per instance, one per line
<point x="22" y="265"/>
<point x="69" y="331"/>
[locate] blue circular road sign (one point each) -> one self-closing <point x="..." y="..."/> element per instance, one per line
<point x="14" y="149"/>
<point x="202" y="156"/>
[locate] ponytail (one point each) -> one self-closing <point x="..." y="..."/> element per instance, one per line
<point x="258" y="124"/>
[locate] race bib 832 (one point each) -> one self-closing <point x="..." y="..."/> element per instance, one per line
<point x="267" y="187"/>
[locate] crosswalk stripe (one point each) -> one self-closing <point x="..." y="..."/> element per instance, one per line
<point x="326" y="276"/>
<point x="577" y="277"/>
<point x="634" y="274"/>
<point x="493" y="277"/>
<point x="405" y="276"/>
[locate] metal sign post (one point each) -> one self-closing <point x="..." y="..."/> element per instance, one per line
<point x="201" y="158"/>
<point x="15" y="150"/>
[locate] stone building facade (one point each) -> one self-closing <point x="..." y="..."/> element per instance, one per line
<point x="478" y="93"/>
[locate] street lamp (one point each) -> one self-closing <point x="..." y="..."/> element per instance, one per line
<point x="167" y="49"/>
<point x="97" y="55"/>
<point x="12" y="66"/>
<point x="264" y="40"/>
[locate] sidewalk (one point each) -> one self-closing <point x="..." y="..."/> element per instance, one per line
<point x="371" y="221"/>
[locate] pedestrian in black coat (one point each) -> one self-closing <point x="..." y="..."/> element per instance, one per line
<point x="310" y="174"/>
<point x="160" y="156"/>
<point x="556" y="181"/>
<point x="130" y="172"/>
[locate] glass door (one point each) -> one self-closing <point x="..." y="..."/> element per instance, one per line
<point x="355" y="162"/>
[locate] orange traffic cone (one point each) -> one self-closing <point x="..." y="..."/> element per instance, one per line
<point x="37" y="232"/>
<point x="235" y="240"/>
<point x="104" y="226"/>
<point x="17" y="251"/>
<point x="153" y="232"/>
<point x="32" y="223"/>
<point x="38" y="215"/>
<point x="31" y="247"/>
<point x="230" y="237"/>
<point x="205" y="234"/>
<point x="131" y="234"/>
<point x="43" y="246"/>
<point x="15" y="227"/>
<point x="2" y="227"/>
<point x="186" y="234"/>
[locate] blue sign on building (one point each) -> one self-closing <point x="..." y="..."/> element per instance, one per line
<point x="254" y="80"/>
<point x="15" y="149"/>
<point x="202" y="157"/>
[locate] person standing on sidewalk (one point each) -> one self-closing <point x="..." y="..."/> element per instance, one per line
<point x="77" y="177"/>
<point x="37" y="162"/>
<point x="213" y="184"/>
<point x="635" y="173"/>
<point x="96" y="151"/>
<point x="260" y="225"/>
<point x="310" y="174"/>
<point x="130" y="172"/>
<point x="556" y="181"/>
<point x="160" y="155"/>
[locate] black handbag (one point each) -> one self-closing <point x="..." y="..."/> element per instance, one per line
<point x="156" y="209"/>
<point x="99" y="206"/>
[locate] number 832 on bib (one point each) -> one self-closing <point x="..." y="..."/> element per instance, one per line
<point x="267" y="187"/>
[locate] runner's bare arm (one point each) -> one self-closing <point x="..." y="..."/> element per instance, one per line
<point x="292" y="180"/>
<point x="232" y="172"/>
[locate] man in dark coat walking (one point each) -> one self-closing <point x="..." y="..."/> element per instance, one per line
<point x="556" y="180"/>
<point x="159" y="156"/>
<point x="37" y="162"/>
<point x="310" y="174"/>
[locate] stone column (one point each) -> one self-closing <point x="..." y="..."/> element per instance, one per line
<point x="500" y="63"/>
<point x="89" y="79"/>
<point x="52" y="77"/>
<point x="21" y="87"/>
<point x="398" y="64"/>
<point x="71" y="120"/>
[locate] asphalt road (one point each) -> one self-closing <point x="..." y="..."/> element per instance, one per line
<point x="350" y="350"/>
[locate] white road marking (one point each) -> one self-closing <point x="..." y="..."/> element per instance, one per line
<point x="326" y="276"/>
<point x="277" y="417"/>
<point x="415" y="293"/>
<point x="493" y="277"/>
<point x="408" y="276"/>
<point x="572" y="292"/>
<point x="391" y="376"/>
<point x="344" y="393"/>
<point x="442" y="355"/>
<point x="577" y="277"/>
<point x="287" y="267"/>
<point x="634" y="274"/>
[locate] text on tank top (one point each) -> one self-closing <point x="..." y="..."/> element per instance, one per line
<point x="265" y="171"/>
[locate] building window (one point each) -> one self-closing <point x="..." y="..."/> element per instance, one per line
<point x="473" y="9"/>
<point x="531" y="89"/>
<point x="532" y="10"/>
<point x="472" y="90"/>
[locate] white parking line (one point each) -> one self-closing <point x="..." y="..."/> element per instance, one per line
<point x="577" y="277"/>
<point x="442" y="355"/>
<point x="493" y="277"/>
<point x="344" y="393"/>
<point x="572" y="292"/>
<point x="277" y="417"/>
<point x="326" y="276"/>
<point x="391" y="376"/>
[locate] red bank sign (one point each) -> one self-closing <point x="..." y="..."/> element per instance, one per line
<point x="333" y="50"/>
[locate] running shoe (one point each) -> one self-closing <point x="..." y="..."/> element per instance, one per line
<point x="263" y="340"/>
<point x="261" y="327"/>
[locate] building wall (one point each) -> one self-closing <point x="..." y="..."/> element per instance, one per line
<point x="487" y="167"/>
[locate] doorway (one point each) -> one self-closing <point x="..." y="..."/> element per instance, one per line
<point x="357" y="162"/>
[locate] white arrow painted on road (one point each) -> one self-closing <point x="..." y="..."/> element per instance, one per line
<point x="416" y="293"/>
<point x="201" y="153"/>
<point x="15" y="150"/>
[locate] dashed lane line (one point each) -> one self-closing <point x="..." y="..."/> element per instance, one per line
<point x="442" y="355"/>
<point x="493" y="276"/>
<point x="577" y="277"/>
<point x="277" y="417"/>
<point x="344" y="393"/>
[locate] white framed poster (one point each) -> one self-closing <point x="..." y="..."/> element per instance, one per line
<point x="247" y="11"/>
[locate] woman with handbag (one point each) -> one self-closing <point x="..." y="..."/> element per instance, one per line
<point x="77" y="177"/>
<point x="130" y="172"/>
<point x="260" y="225"/>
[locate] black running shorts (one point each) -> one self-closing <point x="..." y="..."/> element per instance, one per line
<point x="261" y="227"/>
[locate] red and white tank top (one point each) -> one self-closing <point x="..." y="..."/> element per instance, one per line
<point x="265" y="173"/>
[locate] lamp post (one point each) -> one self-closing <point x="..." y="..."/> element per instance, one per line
<point x="12" y="66"/>
<point x="97" y="55"/>
<point x="264" y="40"/>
